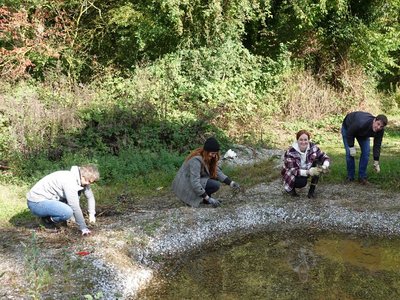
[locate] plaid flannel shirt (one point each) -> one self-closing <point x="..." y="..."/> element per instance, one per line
<point x="292" y="161"/>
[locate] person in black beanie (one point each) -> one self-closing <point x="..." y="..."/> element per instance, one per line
<point x="200" y="176"/>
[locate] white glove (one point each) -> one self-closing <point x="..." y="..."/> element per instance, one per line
<point x="352" y="151"/>
<point x="325" y="168"/>
<point x="314" y="171"/>
<point x="377" y="168"/>
<point x="86" y="231"/>
<point x="92" y="218"/>
<point x="235" y="186"/>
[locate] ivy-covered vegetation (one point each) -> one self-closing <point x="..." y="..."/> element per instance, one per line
<point x="135" y="85"/>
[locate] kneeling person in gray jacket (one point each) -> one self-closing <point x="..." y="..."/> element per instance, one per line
<point x="55" y="197"/>
<point x="200" y="176"/>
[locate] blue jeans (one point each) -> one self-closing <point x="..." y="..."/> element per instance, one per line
<point x="363" y="164"/>
<point x="212" y="186"/>
<point x="57" y="210"/>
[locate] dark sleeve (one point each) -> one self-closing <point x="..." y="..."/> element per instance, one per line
<point x="377" y="145"/>
<point x="358" y="124"/>
<point x="227" y="181"/>
<point x="352" y="133"/>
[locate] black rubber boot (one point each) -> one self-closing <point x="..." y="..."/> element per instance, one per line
<point x="293" y="193"/>
<point x="311" y="191"/>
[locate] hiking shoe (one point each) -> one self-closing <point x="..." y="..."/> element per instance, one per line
<point x="293" y="193"/>
<point x="311" y="195"/>
<point x="47" y="223"/>
<point x="348" y="180"/>
<point x="363" y="181"/>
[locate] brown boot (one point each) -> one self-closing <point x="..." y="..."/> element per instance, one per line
<point x="363" y="181"/>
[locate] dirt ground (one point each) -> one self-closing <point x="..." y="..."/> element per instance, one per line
<point x="128" y="248"/>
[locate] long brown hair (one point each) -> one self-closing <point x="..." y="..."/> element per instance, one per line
<point x="211" y="163"/>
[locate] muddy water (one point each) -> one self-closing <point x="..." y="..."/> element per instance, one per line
<point x="287" y="266"/>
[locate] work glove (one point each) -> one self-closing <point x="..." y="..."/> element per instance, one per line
<point x="377" y="168"/>
<point x="235" y="186"/>
<point x="352" y="151"/>
<point x="324" y="169"/>
<point x="92" y="218"/>
<point x="86" y="231"/>
<point x="213" y="202"/>
<point x="314" y="171"/>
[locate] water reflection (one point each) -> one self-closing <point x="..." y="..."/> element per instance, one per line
<point x="289" y="266"/>
<point x="302" y="262"/>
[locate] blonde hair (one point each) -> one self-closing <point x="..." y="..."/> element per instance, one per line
<point x="90" y="172"/>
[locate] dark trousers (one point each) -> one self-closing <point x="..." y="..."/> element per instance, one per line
<point x="212" y="186"/>
<point x="300" y="182"/>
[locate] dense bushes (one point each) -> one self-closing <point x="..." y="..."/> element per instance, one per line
<point x="82" y="38"/>
<point x="83" y="80"/>
<point x="172" y="104"/>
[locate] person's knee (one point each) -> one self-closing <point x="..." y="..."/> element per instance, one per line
<point x="212" y="186"/>
<point x="67" y="213"/>
<point x="300" y="182"/>
<point x="215" y="187"/>
<point x="301" y="185"/>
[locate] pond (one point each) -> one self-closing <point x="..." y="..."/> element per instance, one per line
<point x="294" y="265"/>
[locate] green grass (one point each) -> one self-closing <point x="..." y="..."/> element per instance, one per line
<point x="148" y="174"/>
<point x="264" y="171"/>
<point x="151" y="184"/>
<point x="13" y="208"/>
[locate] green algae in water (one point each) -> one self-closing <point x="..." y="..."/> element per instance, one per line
<point x="289" y="266"/>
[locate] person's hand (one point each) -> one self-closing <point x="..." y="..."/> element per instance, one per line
<point x="92" y="218"/>
<point x="314" y="171"/>
<point x="353" y="151"/>
<point x="325" y="169"/>
<point x="377" y="168"/>
<point x="235" y="186"/>
<point x="86" y="231"/>
<point x="214" y="202"/>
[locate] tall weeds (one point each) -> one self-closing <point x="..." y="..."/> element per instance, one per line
<point x="37" y="277"/>
<point x="308" y="98"/>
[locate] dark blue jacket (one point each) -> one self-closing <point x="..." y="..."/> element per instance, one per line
<point x="359" y="125"/>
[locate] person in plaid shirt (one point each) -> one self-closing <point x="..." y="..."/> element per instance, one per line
<point x="301" y="161"/>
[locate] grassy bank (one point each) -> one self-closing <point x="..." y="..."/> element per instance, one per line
<point x="133" y="176"/>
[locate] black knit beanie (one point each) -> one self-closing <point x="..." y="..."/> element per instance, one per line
<point x="211" y="145"/>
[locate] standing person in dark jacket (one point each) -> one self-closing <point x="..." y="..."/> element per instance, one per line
<point x="361" y="126"/>
<point x="200" y="176"/>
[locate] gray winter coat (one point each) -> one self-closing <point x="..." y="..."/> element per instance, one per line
<point x="190" y="181"/>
